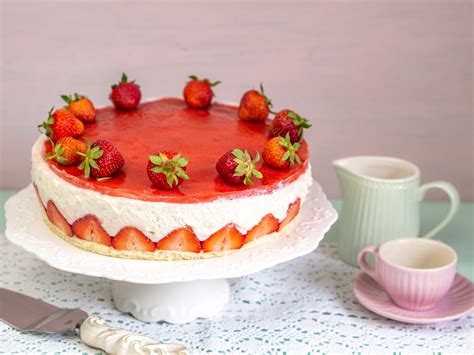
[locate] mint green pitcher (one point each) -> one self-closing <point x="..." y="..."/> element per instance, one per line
<point x="381" y="201"/>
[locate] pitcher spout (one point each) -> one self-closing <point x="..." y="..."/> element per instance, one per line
<point x="376" y="168"/>
<point x="339" y="164"/>
<point x="342" y="168"/>
<point x="342" y="173"/>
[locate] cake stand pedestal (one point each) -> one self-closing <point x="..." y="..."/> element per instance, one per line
<point x="175" y="302"/>
<point x="172" y="291"/>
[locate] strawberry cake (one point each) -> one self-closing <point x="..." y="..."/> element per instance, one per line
<point x="171" y="178"/>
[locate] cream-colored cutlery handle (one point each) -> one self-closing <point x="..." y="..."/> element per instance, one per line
<point x="95" y="332"/>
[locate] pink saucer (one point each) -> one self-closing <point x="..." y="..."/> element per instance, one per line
<point x="458" y="302"/>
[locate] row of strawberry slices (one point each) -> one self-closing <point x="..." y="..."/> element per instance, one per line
<point x="182" y="239"/>
<point x="167" y="170"/>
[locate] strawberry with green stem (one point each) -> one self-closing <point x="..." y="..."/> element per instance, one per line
<point x="255" y="106"/>
<point x="57" y="154"/>
<point x="167" y="170"/>
<point x="61" y="123"/>
<point x="80" y="106"/>
<point x="237" y="167"/>
<point x="287" y="121"/>
<point x="66" y="151"/>
<point x="198" y="93"/>
<point x="101" y="160"/>
<point x="280" y="153"/>
<point x="125" y="95"/>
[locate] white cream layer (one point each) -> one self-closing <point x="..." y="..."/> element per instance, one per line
<point x="156" y="219"/>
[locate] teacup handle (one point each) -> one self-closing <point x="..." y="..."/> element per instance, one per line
<point x="373" y="249"/>
<point x="453" y="196"/>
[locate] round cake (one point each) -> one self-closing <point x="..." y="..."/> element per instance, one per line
<point x="125" y="215"/>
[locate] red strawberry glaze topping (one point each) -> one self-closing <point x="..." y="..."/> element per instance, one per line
<point x="202" y="136"/>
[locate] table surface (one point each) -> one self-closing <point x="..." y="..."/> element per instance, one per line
<point x="301" y="306"/>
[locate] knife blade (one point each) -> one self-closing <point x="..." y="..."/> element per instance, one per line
<point x="30" y="314"/>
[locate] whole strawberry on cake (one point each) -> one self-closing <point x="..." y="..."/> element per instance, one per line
<point x="171" y="178"/>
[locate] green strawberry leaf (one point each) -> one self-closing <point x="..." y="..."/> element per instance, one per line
<point x="87" y="170"/>
<point x="257" y="158"/>
<point x="45" y="127"/>
<point x="210" y="83"/>
<point x="267" y="100"/>
<point x="171" y="168"/>
<point x="93" y="164"/>
<point x="62" y="160"/>
<point x="246" y="165"/>
<point x="238" y="154"/>
<point x="291" y="152"/>
<point x="257" y="174"/>
<point x="182" y="174"/>
<point x="248" y="180"/>
<point x="90" y="157"/>
<point x="57" y="153"/>
<point x="123" y="80"/>
<point x="68" y="99"/>
<point x="300" y="122"/>
<point x="170" y="180"/>
<point x="155" y="159"/>
<point x="183" y="162"/>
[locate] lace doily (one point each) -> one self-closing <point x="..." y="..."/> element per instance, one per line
<point x="304" y="305"/>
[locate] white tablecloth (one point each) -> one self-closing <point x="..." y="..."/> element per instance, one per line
<point x="305" y="305"/>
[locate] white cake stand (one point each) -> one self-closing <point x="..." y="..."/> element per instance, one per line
<point x="166" y="290"/>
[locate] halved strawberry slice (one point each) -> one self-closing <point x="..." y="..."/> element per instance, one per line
<point x="56" y="218"/>
<point x="130" y="238"/>
<point x="89" y="228"/>
<point x="181" y="239"/>
<point x="224" y="239"/>
<point x="293" y="211"/>
<point x="268" y="224"/>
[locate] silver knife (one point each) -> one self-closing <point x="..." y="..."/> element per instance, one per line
<point x="30" y="314"/>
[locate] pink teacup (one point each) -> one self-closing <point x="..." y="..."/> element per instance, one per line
<point x="415" y="272"/>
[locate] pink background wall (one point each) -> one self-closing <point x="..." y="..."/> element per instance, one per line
<point x="375" y="77"/>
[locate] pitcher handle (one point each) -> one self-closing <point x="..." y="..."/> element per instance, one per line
<point x="454" y="199"/>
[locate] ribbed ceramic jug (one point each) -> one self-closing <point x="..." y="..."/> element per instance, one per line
<point x="381" y="201"/>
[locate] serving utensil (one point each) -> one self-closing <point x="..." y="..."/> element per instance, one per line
<point x="30" y="314"/>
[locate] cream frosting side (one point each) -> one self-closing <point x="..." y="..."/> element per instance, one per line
<point x="156" y="219"/>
